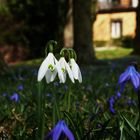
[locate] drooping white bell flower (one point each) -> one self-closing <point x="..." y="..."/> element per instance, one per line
<point x="66" y="69"/>
<point x="75" y="70"/>
<point x="49" y="68"/>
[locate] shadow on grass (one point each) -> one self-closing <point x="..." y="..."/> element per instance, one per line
<point x="126" y="60"/>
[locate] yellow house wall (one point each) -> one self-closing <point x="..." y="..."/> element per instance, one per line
<point x="102" y="29"/>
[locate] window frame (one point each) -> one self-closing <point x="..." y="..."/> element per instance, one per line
<point x="116" y="21"/>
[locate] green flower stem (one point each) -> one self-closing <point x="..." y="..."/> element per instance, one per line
<point x="73" y="54"/>
<point x="69" y="100"/>
<point x="54" y="115"/>
<point x="139" y="104"/>
<point x="56" y="110"/>
<point x="135" y="64"/>
<point x="43" y="116"/>
<point x="50" y="46"/>
<point x="40" y="113"/>
<point x="64" y="51"/>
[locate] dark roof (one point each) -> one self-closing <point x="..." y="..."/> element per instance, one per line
<point x="116" y="10"/>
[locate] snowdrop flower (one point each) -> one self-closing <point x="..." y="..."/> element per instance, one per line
<point x="66" y="69"/>
<point x="60" y="129"/>
<point x="131" y="75"/>
<point x="75" y="70"/>
<point x="49" y="68"/>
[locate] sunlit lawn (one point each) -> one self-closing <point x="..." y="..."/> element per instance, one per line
<point x="89" y="117"/>
<point x="113" y="53"/>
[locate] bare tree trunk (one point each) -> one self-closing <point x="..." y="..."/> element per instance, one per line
<point x="68" y="30"/>
<point x="83" y="36"/>
<point x="137" y="37"/>
<point x="3" y="66"/>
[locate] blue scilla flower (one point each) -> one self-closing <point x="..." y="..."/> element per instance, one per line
<point x="14" y="97"/>
<point x="131" y="102"/>
<point x="4" y="94"/>
<point x="20" y="87"/>
<point x="131" y="75"/>
<point x="111" y="104"/>
<point x="59" y="130"/>
<point x="118" y="95"/>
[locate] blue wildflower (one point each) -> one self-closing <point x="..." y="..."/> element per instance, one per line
<point x="118" y="95"/>
<point x="60" y="129"/>
<point x="56" y="84"/>
<point x="111" y="104"/>
<point x="130" y="102"/>
<point x="65" y="87"/>
<point x="77" y="105"/>
<point x="14" y="97"/>
<point x="4" y="94"/>
<point x="20" y="87"/>
<point x="48" y="94"/>
<point x="132" y="75"/>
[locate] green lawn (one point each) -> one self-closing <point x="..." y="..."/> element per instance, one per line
<point x="113" y="53"/>
<point x="85" y="106"/>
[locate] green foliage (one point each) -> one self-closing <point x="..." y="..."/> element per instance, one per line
<point x="41" y="21"/>
<point x="3" y="8"/>
<point x="112" y="52"/>
<point x="89" y="117"/>
<point x="11" y="31"/>
<point x="127" y="42"/>
<point x="100" y="43"/>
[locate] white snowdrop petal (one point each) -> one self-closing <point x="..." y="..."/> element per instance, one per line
<point x="69" y="72"/>
<point x="53" y="75"/>
<point x="48" y="76"/>
<point x="79" y="76"/>
<point x="44" y="66"/>
<point x="60" y="74"/>
<point x="75" y="70"/>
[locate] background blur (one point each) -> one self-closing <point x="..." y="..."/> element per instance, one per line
<point x="26" y="26"/>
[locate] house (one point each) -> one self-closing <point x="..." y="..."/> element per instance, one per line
<point x="115" y="20"/>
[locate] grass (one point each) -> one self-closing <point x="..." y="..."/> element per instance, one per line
<point x="89" y="117"/>
<point x="113" y="53"/>
<point x="105" y="54"/>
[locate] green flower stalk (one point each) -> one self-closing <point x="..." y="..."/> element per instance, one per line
<point x="49" y="69"/>
<point x="131" y="74"/>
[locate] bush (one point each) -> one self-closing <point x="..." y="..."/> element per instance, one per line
<point x="127" y="42"/>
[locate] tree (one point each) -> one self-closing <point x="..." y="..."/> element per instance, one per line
<point x="3" y="66"/>
<point x="84" y="16"/>
<point x="42" y="20"/>
<point x="137" y="36"/>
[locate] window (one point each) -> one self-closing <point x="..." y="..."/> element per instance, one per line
<point x="134" y="3"/>
<point x="116" y="29"/>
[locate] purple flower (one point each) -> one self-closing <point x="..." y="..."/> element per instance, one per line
<point x="131" y="75"/>
<point x="111" y="104"/>
<point x="118" y="95"/>
<point x="65" y="87"/>
<point x="131" y="102"/>
<point x="56" y="84"/>
<point x="14" y="97"/>
<point x="48" y="94"/>
<point x="4" y="94"/>
<point x="59" y="130"/>
<point x="20" y="87"/>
